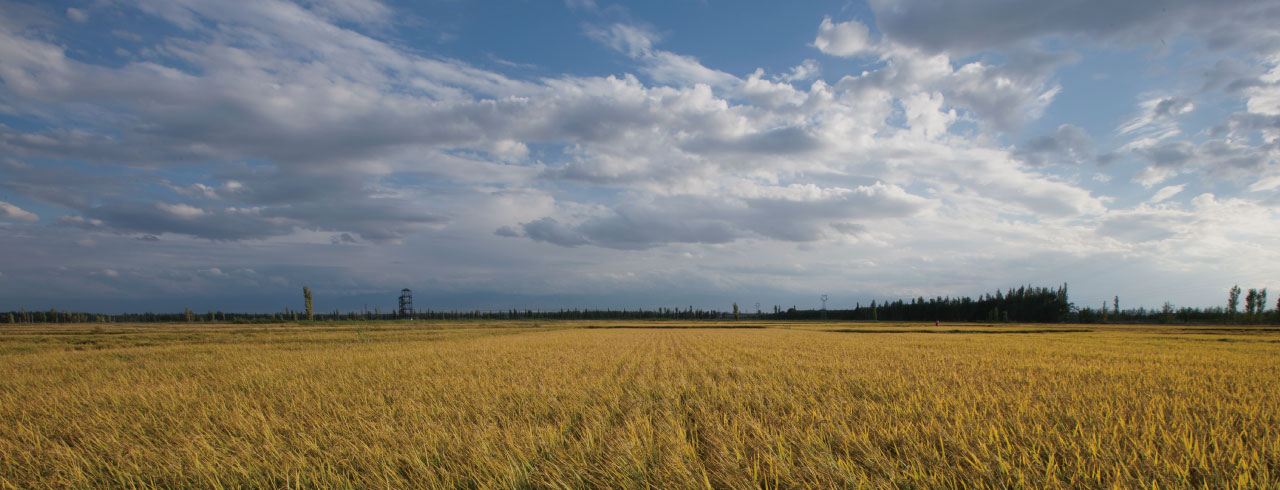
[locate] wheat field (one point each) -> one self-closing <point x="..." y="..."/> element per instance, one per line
<point x="560" y="405"/>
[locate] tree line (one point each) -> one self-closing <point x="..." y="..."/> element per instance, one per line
<point x="1024" y="304"/>
<point x="188" y="316"/>
<point x="1255" y="311"/>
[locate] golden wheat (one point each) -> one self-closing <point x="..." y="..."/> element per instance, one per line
<point x="556" y="406"/>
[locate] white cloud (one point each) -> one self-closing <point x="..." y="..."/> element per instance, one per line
<point x="850" y="38"/>
<point x="1153" y="175"/>
<point x="182" y="211"/>
<point x="77" y="15"/>
<point x="1155" y="121"/>
<point x="1166" y="192"/>
<point x="806" y="70"/>
<point x="360" y="11"/>
<point x="212" y="272"/>
<point x="663" y="66"/>
<point x="1001" y="96"/>
<point x="1265" y="183"/>
<point x="9" y="211"/>
<point x="633" y="40"/>
<point x="925" y="115"/>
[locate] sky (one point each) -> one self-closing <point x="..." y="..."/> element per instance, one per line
<point x="220" y="155"/>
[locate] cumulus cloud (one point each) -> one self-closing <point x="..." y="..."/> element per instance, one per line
<point x="849" y="38"/>
<point x="323" y="173"/>
<point x="806" y="70"/>
<point x="1002" y="96"/>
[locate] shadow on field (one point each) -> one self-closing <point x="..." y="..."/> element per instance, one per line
<point x="1043" y="330"/>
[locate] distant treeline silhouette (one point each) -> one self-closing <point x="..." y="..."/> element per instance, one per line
<point x="61" y="316"/>
<point x="1024" y="304"/>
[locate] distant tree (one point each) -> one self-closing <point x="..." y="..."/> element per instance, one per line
<point x="735" y="311"/>
<point x="1166" y="312"/>
<point x="306" y="296"/>
<point x="1250" y="301"/>
<point x="1262" y="301"/>
<point x="1233" y="300"/>
<point x="1115" y="305"/>
<point x="190" y="315"/>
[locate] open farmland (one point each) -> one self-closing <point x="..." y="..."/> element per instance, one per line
<point x="524" y="405"/>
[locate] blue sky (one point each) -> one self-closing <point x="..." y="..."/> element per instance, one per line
<point x="163" y="154"/>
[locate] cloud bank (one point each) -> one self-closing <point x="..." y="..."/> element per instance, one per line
<point x="255" y="134"/>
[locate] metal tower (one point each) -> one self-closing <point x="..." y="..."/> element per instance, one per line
<point x="406" y="303"/>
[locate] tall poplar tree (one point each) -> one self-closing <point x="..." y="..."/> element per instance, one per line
<point x="306" y="295"/>
<point x="1233" y="300"/>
